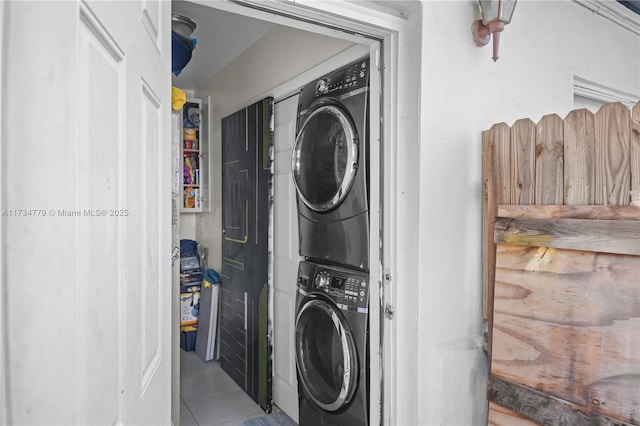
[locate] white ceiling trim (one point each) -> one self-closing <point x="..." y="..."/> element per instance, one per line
<point x="615" y="12"/>
<point x="377" y="15"/>
<point x="591" y="90"/>
<point x="362" y="21"/>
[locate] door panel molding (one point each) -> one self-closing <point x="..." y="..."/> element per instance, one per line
<point x="246" y="249"/>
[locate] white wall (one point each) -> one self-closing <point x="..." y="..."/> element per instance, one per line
<point x="449" y="92"/>
<point x="280" y="55"/>
<point x="463" y="92"/>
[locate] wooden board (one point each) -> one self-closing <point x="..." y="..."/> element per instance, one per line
<point x="523" y="161"/>
<point x="612" y="156"/>
<point x="610" y="236"/>
<point x="537" y="408"/>
<point x="635" y="148"/>
<point x="501" y="416"/>
<point x="570" y="212"/>
<point x="549" y="179"/>
<point x="579" y="157"/>
<point x="496" y="179"/>
<point x="566" y="322"/>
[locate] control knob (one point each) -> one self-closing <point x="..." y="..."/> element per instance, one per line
<point x="322" y="87"/>
<point x="323" y="280"/>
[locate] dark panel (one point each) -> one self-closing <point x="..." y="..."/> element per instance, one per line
<point x="246" y="203"/>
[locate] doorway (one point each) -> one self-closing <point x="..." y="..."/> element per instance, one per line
<point x="204" y="222"/>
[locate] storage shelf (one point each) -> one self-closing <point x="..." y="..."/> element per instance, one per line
<point x="193" y="157"/>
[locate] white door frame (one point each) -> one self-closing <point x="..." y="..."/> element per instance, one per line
<point x="4" y="416"/>
<point x="362" y="23"/>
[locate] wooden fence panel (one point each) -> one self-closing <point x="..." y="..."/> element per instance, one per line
<point x="612" y="173"/>
<point x="523" y="158"/>
<point x="549" y="179"/>
<point x="562" y="313"/>
<point x="566" y="323"/>
<point x="579" y="157"/>
<point x="635" y="148"/>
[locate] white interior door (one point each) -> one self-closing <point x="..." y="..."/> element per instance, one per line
<point x="87" y="196"/>
<point x="286" y="258"/>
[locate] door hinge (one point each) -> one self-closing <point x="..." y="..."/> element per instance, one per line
<point x="388" y="311"/>
<point x="377" y="59"/>
<point x="388" y="307"/>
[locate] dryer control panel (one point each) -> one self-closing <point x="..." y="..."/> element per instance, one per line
<point x="346" y="288"/>
<point x="347" y="79"/>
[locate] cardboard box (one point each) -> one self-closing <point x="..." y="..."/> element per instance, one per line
<point x="189" y="307"/>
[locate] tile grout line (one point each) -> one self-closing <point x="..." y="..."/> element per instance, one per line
<point x="189" y="410"/>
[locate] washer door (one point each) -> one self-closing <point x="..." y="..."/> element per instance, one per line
<point x="325" y="157"/>
<point x="325" y="355"/>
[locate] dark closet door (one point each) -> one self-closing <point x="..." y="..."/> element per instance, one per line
<point x="246" y="203"/>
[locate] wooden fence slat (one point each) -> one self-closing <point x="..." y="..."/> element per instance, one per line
<point x="501" y="135"/>
<point x="570" y="212"/>
<point x="635" y="148"/>
<point x="609" y="236"/>
<point x="489" y="207"/>
<point x="523" y="157"/>
<point x="549" y="179"/>
<point x="579" y="154"/>
<point x="496" y="144"/>
<point x="612" y="158"/>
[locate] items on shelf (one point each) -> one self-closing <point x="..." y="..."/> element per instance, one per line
<point x="190" y="287"/>
<point x="188" y="336"/>
<point x="189" y="305"/>
<point x="178" y="98"/>
<point x="191" y="156"/>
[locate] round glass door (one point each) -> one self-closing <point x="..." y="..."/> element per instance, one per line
<point x="325" y="158"/>
<point x="326" y="355"/>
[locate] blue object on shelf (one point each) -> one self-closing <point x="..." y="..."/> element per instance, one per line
<point x="181" y="51"/>
<point x="188" y="248"/>
<point x="212" y="276"/>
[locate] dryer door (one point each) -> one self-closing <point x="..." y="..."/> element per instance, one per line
<point x="325" y="354"/>
<point x="325" y="157"/>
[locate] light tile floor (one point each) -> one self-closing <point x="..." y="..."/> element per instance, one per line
<point x="209" y="397"/>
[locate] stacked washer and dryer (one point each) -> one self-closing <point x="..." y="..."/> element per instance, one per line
<point x="331" y="173"/>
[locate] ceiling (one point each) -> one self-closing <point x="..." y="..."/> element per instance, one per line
<point x="221" y="37"/>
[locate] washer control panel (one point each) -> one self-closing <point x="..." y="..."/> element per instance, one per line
<point x="346" y="79"/>
<point x="348" y="289"/>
